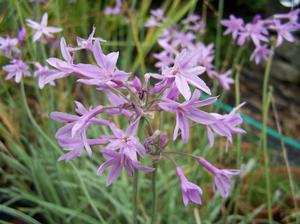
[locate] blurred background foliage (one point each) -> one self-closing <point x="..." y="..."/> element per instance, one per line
<point x="35" y="188"/>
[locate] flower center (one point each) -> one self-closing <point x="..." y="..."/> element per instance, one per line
<point x="84" y="43"/>
<point x="176" y="71"/>
<point x="125" y="139"/>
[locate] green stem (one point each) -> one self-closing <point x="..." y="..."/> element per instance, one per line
<point x="134" y="198"/>
<point x="219" y="34"/>
<point x="266" y="157"/>
<point x="19" y="11"/>
<point x="137" y="42"/>
<point x="153" y="211"/>
<point x="239" y="138"/>
<point x="57" y="13"/>
<point x="265" y="108"/>
<point x="237" y="102"/>
<point x="31" y="118"/>
<point x="228" y="55"/>
<point x="267" y="75"/>
<point x="237" y="59"/>
<point x="203" y="17"/>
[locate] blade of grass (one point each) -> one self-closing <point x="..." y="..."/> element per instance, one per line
<point x="18" y="214"/>
<point x="219" y="34"/>
<point x="285" y="157"/>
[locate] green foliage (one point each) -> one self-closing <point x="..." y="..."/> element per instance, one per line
<point x="253" y="4"/>
<point x="36" y="188"/>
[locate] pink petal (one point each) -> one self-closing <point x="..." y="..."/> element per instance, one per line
<point x="210" y="136"/>
<point x="184" y="127"/>
<point x="37" y="36"/>
<point x="65" y="52"/>
<point x="114" y="173"/>
<point x="175" y="134"/>
<point x="44" y="20"/>
<point x="52" y="29"/>
<point x="199" y="83"/>
<point x="62" y="117"/>
<point x="183" y="87"/>
<point x="98" y="54"/>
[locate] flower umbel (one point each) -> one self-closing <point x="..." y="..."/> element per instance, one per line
<point x="128" y="128"/>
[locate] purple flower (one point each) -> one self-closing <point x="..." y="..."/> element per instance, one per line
<point x="256" y="31"/>
<point x="284" y="31"/>
<point x="103" y="75"/>
<point x="234" y="26"/>
<point x="188" y="110"/>
<point x="225" y="125"/>
<point x="22" y="36"/>
<point x="183" y="39"/>
<point x="152" y="22"/>
<point x="64" y="68"/>
<point x="107" y="73"/>
<point x="204" y="55"/>
<point x="73" y="144"/>
<point x="158" y="13"/>
<point x="157" y="17"/>
<point x="169" y="46"/>
<point x="118" y="161"/>
<point x="121" y="140"/>
<point x="261" y="53"/>
<point x="194" y="23"/>
<point x="191" y="19"/>
<point x="190" y="191"/>
<point x="42" y="28"/>
<point x="43" y="72"/>
<point x="224" y="79"/>
<point x="114" y="11"/>
<point x="9" y="46"/>
<point x="73" y="135"/>
<point x="185" y="72"/>
<point x="170" y="41"/>
<point x="121" y="151"/>
<point x="222" y="181"/>
<point x="292" y="16"/>
<point x="16" y="69"/>
<point x="164" y="59"/>
<point x="87" y="43"/>
<point x="120" y="105"/>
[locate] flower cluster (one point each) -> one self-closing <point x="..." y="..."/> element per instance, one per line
<point x="260" y="30"/>
<point x="114" y="10"/>
<point x="177" y="91"/>
<point x="157" y="17"/>
<point x="181" y="41"/>
<point x="10" y="48"/>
